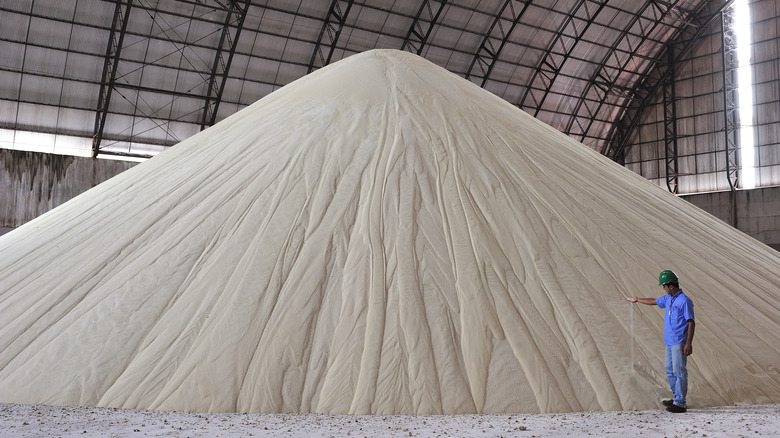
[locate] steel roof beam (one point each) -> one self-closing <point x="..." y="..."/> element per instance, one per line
<point x="496" y="38"/>
<point x="426" y="18"/>
<point x="216" y="6"/>
<point x="154" y="90"/>
<point x="331" y="27"/>
<point x="113" y="49"/>
<point x="124" y="154"/>
<point x="550" y="67"/>
<point x="670" y="127"/>
<point x="601" y="80"/>
<point x="228" y="40"/>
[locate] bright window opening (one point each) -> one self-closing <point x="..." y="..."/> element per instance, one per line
<point x="46" y="143"/>
<point x="745" y="95"/>
<point x="59" y="144"/>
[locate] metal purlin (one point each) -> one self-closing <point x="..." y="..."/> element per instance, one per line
<point x="234" y="21"/>
<point x="426" y="17"/>
<point x="548" y="70"/>
<point x="616" y="144"/>
<point x="332" y="26"/>
<point x="496" y="38"/>
<point x="601" y="81"/>
<point x="113" y="50"/>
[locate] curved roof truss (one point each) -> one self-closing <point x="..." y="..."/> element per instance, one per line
<point x="171" y="68"/>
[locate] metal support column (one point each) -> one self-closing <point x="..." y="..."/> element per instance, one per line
<point x="730" y="107"/>
<point x="334" y="23"/>
<point x="423" y="24"/>
<point x="670" y="125"/>
<point x="228" y="40"/>
<point x="113" y="49"/>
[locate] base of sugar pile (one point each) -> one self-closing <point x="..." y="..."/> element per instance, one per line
<point x="24" y="421"/>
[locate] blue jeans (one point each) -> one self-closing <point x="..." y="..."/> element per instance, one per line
<point x="677" y="372"/>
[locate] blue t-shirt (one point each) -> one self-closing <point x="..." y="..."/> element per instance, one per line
<point x="678" y="310"/>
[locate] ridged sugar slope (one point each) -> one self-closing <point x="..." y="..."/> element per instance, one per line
<point x="380" y="236"/>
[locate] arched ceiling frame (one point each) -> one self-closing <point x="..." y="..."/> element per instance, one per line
<point x="422" y="26"/>
<point x="489" y="51"/>
<point x="617" y="143"/>
<point x="567" y="76"/>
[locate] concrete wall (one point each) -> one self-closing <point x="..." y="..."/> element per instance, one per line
<point x="758" y="211"/>
<point x="32" y="183"/>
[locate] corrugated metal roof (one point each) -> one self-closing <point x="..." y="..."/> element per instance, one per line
<point x="137" y="76"/>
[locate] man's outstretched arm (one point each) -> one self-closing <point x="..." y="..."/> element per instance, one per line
<point x="648" y="301"/>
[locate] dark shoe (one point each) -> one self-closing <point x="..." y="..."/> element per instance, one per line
<point x="667" y="402"/>
<point x="676" y="409"/>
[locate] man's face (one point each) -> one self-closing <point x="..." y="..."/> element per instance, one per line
<point x="667" y="288"/>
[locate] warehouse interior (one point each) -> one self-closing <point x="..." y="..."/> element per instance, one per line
<point x="685" y="93"/>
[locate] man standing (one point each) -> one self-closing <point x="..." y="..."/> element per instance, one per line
<point x="679" y="326"/>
